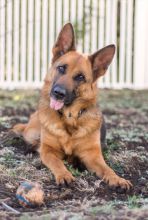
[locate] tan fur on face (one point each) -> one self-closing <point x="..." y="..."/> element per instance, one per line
<point x="75" y="129"/>
<point x="76" y="63"/>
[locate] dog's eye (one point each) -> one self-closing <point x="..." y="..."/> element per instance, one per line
<point x="80" y="77"/>
<point x="61" y="69"/>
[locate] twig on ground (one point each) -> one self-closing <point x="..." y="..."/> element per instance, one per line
<point x="9" y="208"/>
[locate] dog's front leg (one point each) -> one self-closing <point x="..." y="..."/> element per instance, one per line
<point x="53" y="160"/>
<point x="93" y="159"/>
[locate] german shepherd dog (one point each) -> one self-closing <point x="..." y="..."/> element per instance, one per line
<point x="68" y="121"/>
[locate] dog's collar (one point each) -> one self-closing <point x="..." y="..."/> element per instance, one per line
<point x="70" y="115"/>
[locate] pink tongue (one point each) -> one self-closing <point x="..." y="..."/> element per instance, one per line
<point x="56" y="105"/>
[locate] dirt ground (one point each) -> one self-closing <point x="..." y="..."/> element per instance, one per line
<point x="126" y="114"/>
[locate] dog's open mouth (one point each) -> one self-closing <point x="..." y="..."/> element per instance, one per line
<point x="56" y="104"/>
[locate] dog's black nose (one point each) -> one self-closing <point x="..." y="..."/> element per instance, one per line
<point x="59" y="92"/>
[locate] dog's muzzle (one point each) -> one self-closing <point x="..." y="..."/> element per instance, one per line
<point x="59" y="97"/>
<point x="59" y="92"/>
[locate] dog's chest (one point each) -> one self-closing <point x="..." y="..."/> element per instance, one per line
<point x="68" y="147"/>
<point x="67" y="142"/>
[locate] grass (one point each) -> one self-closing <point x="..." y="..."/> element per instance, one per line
<point x="126" y="116"/>
<point x="75" y="172"/>
<point x="133" y="202"/>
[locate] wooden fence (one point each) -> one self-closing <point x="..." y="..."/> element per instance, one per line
<point x="28" y="29"/>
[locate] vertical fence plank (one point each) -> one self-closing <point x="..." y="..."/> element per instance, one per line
<point x="41" y="39"/>
<point x="69" y="12"/>
<point x="90" y="24"/>
<point x="122" y="42"/>
<point x="37" y="42"/>
<point x="141" y="45"/>
<point x="83" y="27"/>
<point x="76" y="21"/>
<point x="101" y="23"/>
<point x="62" y="18"/>
<point x="101" y="29"/>
<point x="30" y="40"/>
<point x="23" y="42"/>
<point x="51" y="36"/>
<point x="86" y="5"/>
<point x="26" y="38"/>
<point x="66" y="11"/>
<point x="114" y="41"/>
<point x="145" y="84"/>
<point x="48" y="33"/>
<point x="59" y="16"/>
<point x="73" y="8"/>
<point x="16" y="41"/>
<point x="73" y="15"/>
<point x="2" y="42"/>
<point x="129" y="40"/>
<point x="107" y="37"/>
<point x="55" y="19"/>
<point x="94" y="26"/>
<point x="80" y="25"/>
<point x="9" y="42"/>
<point x="97" y="27"/>
<point x="44" y="38"/>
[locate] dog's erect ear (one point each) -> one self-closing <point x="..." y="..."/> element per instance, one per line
<point x="65" y="42"/>
<point x="101" y="60"/>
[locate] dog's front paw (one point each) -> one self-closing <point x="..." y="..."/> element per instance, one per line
<point x="115" y="181"/>
<point x="66" y="177"/>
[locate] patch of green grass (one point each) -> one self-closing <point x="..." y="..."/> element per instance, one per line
<point x="9" y="160"/>
<point x="35" y="217"/>
<point x="12" y="141"/>
<point x="106" y="153"/>
<point x="125" y="135"/>
<point x="108" y="207"/>
<point x="133" y="202"/>
<point x="117" y="167"/>
<point x="113" y="144"/>
<point x="125" y="98"/>
<point x="75" y="172"/>
<point x="19" y="98"/>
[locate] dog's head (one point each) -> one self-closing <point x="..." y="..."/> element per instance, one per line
<point x="72" y="70"/>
